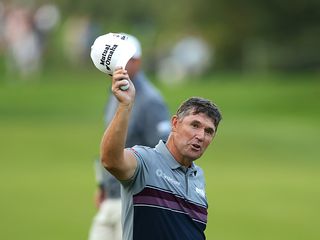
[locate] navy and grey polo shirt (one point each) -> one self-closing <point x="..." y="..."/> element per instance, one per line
<point x="163" y="200"/>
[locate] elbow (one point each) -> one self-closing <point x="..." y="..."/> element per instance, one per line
<point x="109" y="163"/>
<point x="105" y="162"/>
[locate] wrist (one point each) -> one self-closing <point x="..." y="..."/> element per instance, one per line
<point x="126" y="106"/>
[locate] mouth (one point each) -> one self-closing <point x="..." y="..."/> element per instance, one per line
<point x="196" y="147"/>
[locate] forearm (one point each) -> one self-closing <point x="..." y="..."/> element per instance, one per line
<point x="114" y="157"/>
<point x="114" y="138"/>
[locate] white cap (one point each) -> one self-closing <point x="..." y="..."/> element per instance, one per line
<point x="113" y="50"/>
<point x="135" y="42"/>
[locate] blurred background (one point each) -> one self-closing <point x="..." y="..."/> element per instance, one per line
<point x="258" y="60"/>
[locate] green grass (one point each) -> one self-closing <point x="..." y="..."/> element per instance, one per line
<point x="262" y="171"/>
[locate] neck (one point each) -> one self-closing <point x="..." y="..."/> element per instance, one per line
<point x="176" y="154"/>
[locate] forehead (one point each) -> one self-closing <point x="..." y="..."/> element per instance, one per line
<point x="201" y="118"/>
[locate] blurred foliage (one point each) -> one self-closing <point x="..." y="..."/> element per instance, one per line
<point x="262" y="35"/>
<point x="276" y="34"/>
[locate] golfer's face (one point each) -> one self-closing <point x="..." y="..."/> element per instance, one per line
<point x="193" y="135"/>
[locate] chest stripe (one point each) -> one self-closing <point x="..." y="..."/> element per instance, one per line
<point x="155" y="197"/>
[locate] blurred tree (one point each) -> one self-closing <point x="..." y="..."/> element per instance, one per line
<point x="263" y="34"/>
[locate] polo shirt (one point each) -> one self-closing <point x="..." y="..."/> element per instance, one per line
<point x="163" y="200"/>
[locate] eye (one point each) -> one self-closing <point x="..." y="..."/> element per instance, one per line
<point x="195" y="124"/>
<point x="209" y="131"/>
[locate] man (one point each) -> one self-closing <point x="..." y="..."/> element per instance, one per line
<point x="163" y="191"/>
<point x="149" y="123"/>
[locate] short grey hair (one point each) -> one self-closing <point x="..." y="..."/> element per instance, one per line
<point x="196" y="105"/>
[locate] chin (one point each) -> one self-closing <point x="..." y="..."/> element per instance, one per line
<point x="194" y="157"/>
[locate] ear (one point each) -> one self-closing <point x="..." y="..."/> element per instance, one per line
<point x="174" y="122"/>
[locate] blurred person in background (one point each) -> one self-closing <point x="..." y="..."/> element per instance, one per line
<point x="21" y="42"/>
<point x="2" y="18"/>
<point x="144" y="129"/>
<point x="23" y="32"/>
<point x="79" y="31"/>
<point x="189" y="57"/>
<point x="46" y="18"/>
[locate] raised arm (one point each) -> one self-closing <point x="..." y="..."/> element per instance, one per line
<point x="118" y="161"/>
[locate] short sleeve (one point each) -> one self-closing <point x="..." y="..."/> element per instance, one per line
<point x="138" y="181"/>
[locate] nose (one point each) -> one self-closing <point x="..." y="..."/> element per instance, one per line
<point x="200" y="135"/>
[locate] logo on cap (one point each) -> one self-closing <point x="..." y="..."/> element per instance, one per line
<point x="106" y="60"/>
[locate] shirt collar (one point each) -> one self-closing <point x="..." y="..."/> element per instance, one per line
<point x="174" y="164"/>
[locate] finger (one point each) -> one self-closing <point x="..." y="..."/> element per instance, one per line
<point x="120" y="75"/>
<point x="119" y="70"/>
